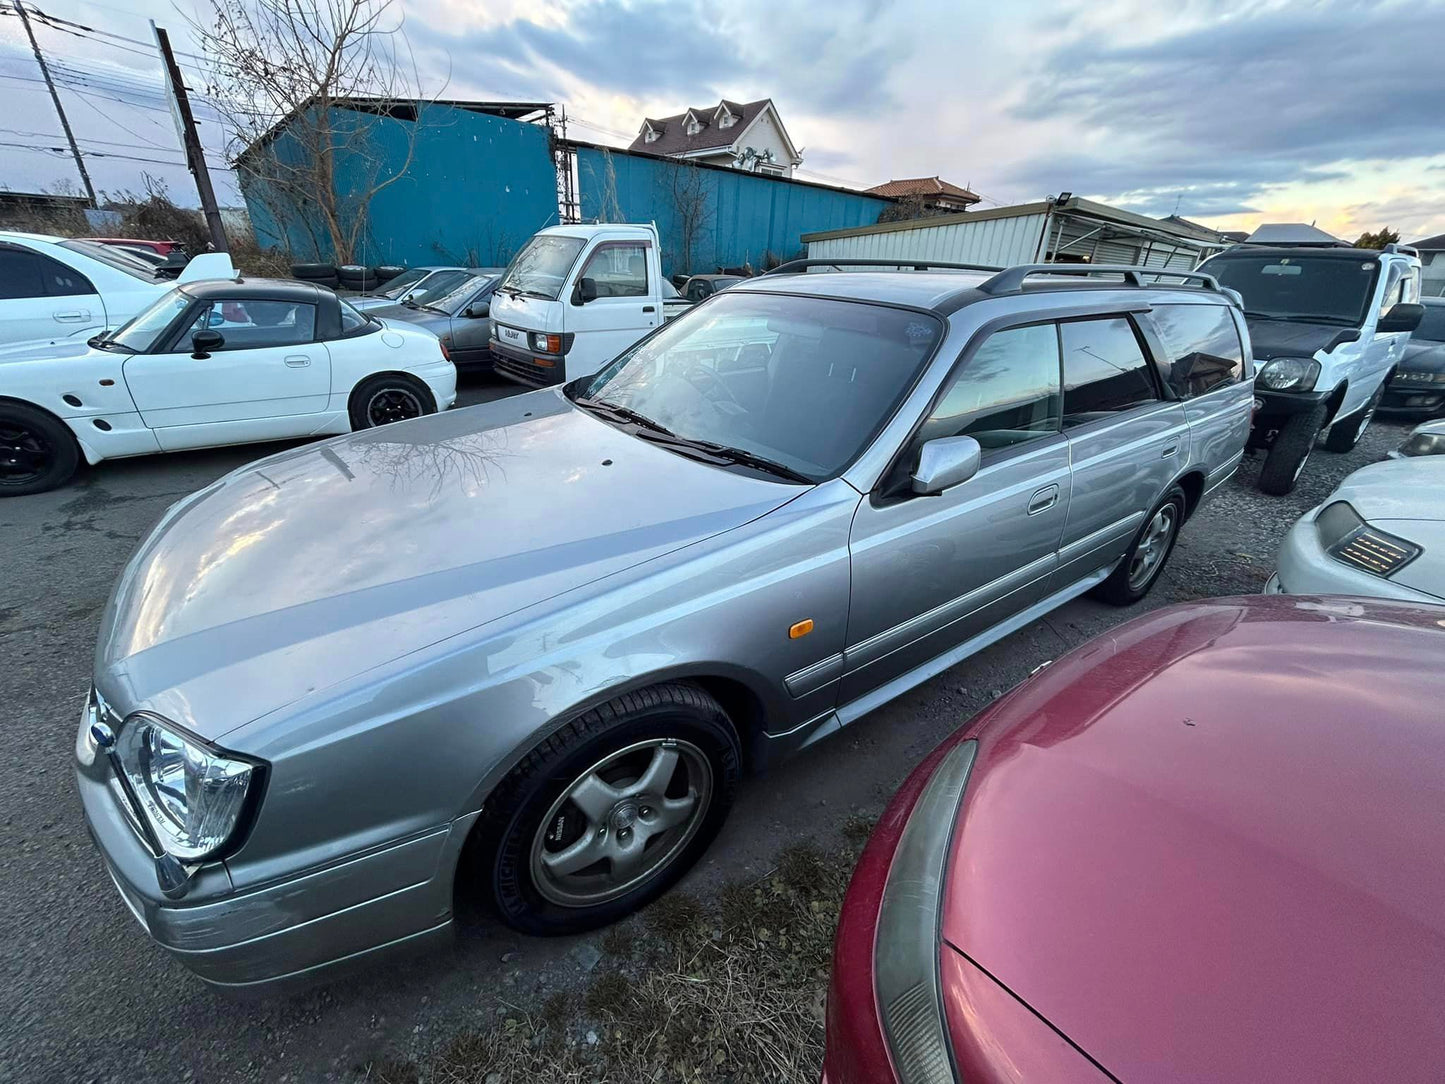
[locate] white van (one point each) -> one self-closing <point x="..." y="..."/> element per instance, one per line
<point x="573" y="299"/>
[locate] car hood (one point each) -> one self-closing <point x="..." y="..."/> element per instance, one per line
<point x="1422" y="355"/>
<point x="438" y="323"/>
<point x="1280" y="338"/>
<point x="1405" y="497"/>
<point x="314" y="565"/>
<point x="1186" y="847"/>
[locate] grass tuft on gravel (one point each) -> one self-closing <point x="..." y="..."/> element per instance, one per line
<point x="730" y="990"/>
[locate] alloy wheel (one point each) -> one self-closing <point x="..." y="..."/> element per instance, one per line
<point x="621" y="822"/>
<point x="393" y="405"/>
<point x="24" y="454"/>
<point x="1152" y="547"/>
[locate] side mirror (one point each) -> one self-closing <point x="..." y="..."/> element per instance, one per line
<point x="586" y="291"/>
<point x="478" y="308"/>
<point x="1403" y="316"/>
<point x="203" y="342"/>
<point x="944" y="463"/>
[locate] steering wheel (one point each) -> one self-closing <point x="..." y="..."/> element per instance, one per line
<point x="713" y="387"/>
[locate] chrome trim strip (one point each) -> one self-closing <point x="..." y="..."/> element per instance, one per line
<point x="1095" y="539"/>
<point x="1226" y="471"/>
<point x="812" y="678"/>
<point x="884" y="643"/>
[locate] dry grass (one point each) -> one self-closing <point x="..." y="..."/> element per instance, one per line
<point x="729" y="991"/>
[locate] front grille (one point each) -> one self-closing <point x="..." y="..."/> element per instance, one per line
<point x="527" y="372"/>
<point x="1374" y="551"/>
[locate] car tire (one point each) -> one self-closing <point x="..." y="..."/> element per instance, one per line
<point x="356" y="277"/>
<point x="390" y="397"/>
<point x="1147" y="554"/>
<point x="37" y="451"/>
<point x="1286" y="458"/>
<point x="1345" y="433"/>
<point x="387" y="271"/>
<point x="312" y="272"/>
<point x="667" y="757"/>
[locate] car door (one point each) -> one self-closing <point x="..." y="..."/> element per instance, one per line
<point x="41" y="298"/>
<point x="470" y="334"/>
<point x="932" y="571"/>
<point x="1126" y="441"/>
<point x="267" y="375"/>
<point x="625" y="308"/>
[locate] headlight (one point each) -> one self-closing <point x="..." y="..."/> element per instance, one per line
<point x="1289" y="374"/>
<point x="191" y="796"/>
<point x="1351" y="541"/>
<point x="545" y="344"/>
<point x="1423" y="444"/>
<point x="1408" y="377"/>
<point x="905" y="956"/>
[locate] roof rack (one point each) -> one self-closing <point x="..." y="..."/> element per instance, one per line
<point x="1012" y="280"/>
<point x="917" y="265"/>
<point x="1403" y="250"/>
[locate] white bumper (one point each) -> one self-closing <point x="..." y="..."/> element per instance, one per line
<point x="1304" y="568"/>
<point x="441" y="377"/>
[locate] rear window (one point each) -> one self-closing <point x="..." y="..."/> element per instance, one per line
<point x="1202" y="346"/>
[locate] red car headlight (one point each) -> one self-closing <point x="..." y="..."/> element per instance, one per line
<point x="906" y="952"/>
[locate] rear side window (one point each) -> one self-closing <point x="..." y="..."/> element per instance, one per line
<point x="1105" y="370"/>
<point x="29" y="274"/>
<point x="1005" y="394"/>
<point x="1202" y="347"/>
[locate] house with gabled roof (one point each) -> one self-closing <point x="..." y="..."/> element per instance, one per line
<point x="740" y="135"/>
<point x="934" y="193"/>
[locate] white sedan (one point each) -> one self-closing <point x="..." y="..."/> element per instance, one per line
<point x="52" y="287"/>
<point x="211" y="363"/>
<point x="1381" y="533"/>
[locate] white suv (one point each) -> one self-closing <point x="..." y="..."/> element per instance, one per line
<point x="58" y="287"/>
<point x="1328" y="326"/>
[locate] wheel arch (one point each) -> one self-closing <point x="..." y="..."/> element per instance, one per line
<point x="85" y="450"/>
<point x="1333" y="403"/>
<point x="411" y="379"/>
<point x="1192" y="482"/>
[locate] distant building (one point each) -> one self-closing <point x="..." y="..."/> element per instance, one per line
<point x="1432" y="264"/>
<point x="934" y="193"/>
<point x="740" y="135"/>
<point x="1201" y="230"/>
<point x="1293" y="233"/>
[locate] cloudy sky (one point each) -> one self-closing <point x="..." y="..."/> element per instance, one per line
<point x="1231" y="113"/>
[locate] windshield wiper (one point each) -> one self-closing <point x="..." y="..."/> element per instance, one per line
<point x="1261" y="315"/>
<point x="712" y="452"/>
<point x="619" y="413"/>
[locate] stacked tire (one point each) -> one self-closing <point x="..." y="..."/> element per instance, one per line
<point x="323" y="274"/>
<point x="358" y="277"/>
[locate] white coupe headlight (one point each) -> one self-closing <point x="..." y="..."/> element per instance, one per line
<point x="191" y="796"/>
<point x="1423" y="443"/>
<point x="1289" y="374"/>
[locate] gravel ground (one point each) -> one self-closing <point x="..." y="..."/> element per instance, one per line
<point x="85" y="997"/>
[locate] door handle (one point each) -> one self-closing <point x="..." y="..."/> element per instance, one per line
<point x="1169" y="451"/>
<point x="298" y="361"/>
<point x="72" y="317"/>
<point x="648" y="308"/>
<point x="1043" y="499"/>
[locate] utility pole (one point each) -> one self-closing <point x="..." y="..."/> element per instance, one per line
<point x="54" y="97"/>
<point x="195" y="156"/>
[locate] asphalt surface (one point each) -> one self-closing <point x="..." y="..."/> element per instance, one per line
<point x="84" y="996"/>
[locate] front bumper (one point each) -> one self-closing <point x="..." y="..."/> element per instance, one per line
<point x="1406" y="398"/>
<point x="533" y="370"/>
<point x="289" y="933"/>
<point x="1275" y="403"/>
<point x="1304" y="568"/>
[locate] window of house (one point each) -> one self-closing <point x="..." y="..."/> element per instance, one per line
<point x="250" y="324"/>
<point x="1202" y="347"/>
<point x="1006" y="393"/>
<point x="619" y="270"/>
<point x="1105" y="370"/>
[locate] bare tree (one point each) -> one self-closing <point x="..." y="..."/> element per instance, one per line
<point x="691" y="208"/>
<point x="304" y="88"/>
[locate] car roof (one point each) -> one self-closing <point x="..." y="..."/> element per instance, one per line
<point x="1296" y="251"/>
<point x="256" y="289"/>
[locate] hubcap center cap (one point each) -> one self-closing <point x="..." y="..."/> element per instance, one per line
<point x="623" y="816"/>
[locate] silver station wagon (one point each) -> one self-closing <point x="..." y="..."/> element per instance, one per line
<point x="522" y="652"/>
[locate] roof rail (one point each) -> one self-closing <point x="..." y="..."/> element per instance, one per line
<point x="793" y="266"/>
<point x="1012" y="280"/>
<point x="1403" y="250"/>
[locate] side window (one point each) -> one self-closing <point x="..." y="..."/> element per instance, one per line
<point x="1005" y="394"/>
<point x="619" y="270"/>
<point x="62" y="281"/>
<point x="1105" y="370"/>
<point x="1394" y="288"/>
<point x="1202" y="345"/>
<point x="21" y="274"/>
<point x="251" y="324"/>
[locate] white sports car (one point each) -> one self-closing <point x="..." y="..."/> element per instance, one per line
<point x="211" y="363"/>
<point x="1381" y="533"/>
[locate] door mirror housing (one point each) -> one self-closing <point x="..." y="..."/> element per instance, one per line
<point x="203" y="342"/>
<point x="477" y="309"/>
<point x="586" y="291"/>
<point x="944" y="463"/>
<point x="1403" y="316"/>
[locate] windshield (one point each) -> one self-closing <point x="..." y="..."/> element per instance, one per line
<point x="453" y="300"/>
<point x="802" y="382"/>
<point x="114" y="256"/>
<point x="540" y="269"/>
<point x="1317" y="289"/>
<point x="1432" y="325"/>
<point x="140" y="333"/>
<point x="394" y="288"/>
<point x="439" y="285"/>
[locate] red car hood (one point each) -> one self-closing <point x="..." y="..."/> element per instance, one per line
<point x="1190" y="847"/>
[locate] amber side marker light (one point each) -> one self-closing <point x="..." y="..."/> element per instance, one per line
<point x="802" y="628"/>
